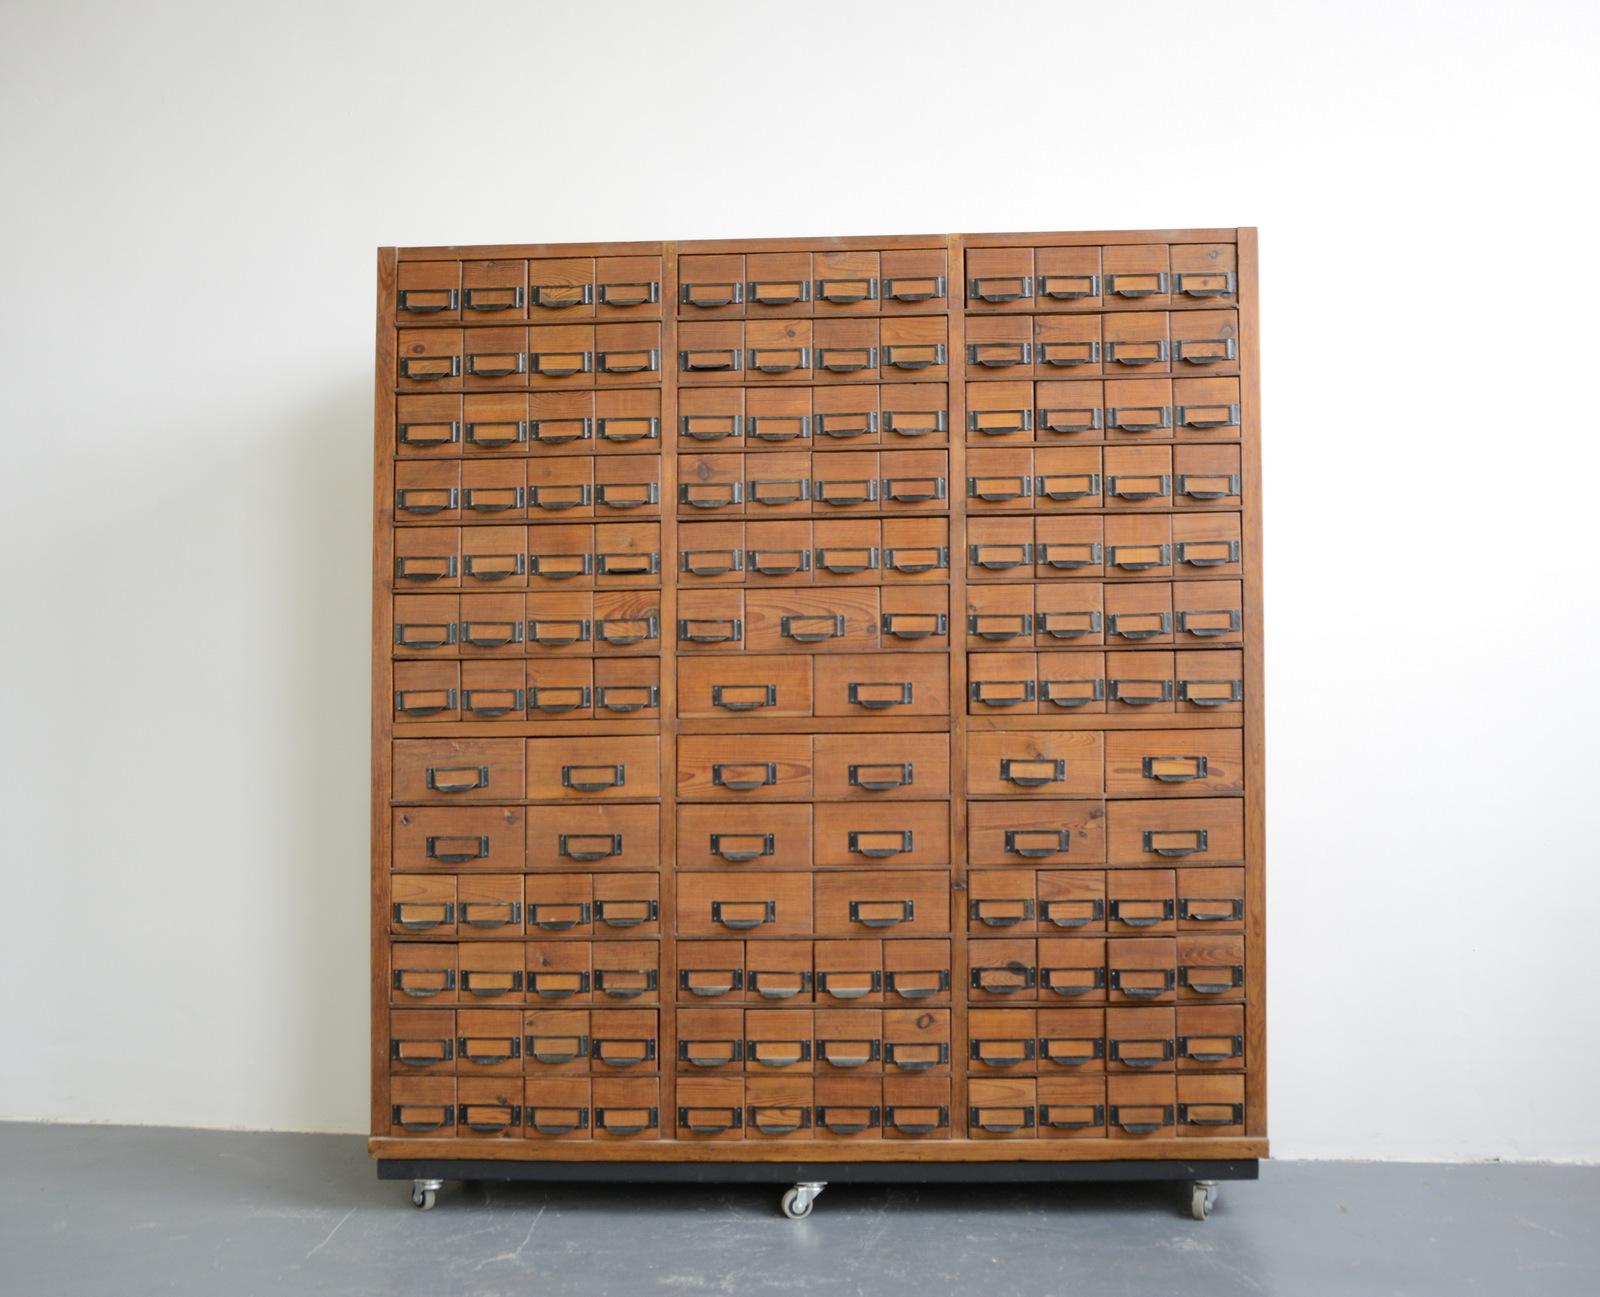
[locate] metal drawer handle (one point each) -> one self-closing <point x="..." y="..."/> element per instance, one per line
<point x="561" y="364"/>
<point x="1175" y="769"/>
<point x="426" y="301"/>
<point x="1207" y="553"/>
<point x="779" y="491"/>
<point x="472" y="1049"/>
<point x="1163" y="1050"/>
<point x="447" y="851"/>
<point x="401" y="1116"/>
<point x="711" y="427"/>
<point x="446" y="701"/>
<point x="628" y="698"/>
<point x="914" y="288"/>
<point x="457" y="779"/>
<point x="1001" y="693"/>
<point x="812" y="629"/>
<point x="408" y="914"/>
<point x="730" y="775"/>
<point x="622" y="1051"/>
<point x="1058" y="982"/>
<point x="642" y="293"/>
<point x="778" y="360"/>
<point x="1000" y="626"/>
<point x="999" y="423"/>
<point x="558" y="633"/>
<point x="778" y="292"/>
<point x="1067" y="354"/>
<point x="915" y="625"/>
<point x="427" y="369"/>
<point x="1210" y="1114"/>
<point x="558" y="297"/>
<point x="627" y="630"/>
<point x="917" y="355"/>
<point x="929" y="982"/>
<point x="847" y="1120"/>
<point x="640" y="361"/>
<point x="725" y="359"/>
<point x="627" y="495"/>
<point x="416" y="1052"/>
<point x="627" y="563"/>
<point x="403" y="981"/>
<point x="1068" y="486"/>
<point x="848" y="1053"/>
<point x="560" y="567"/>
<point x="1083" y="1116"/>
<point x="1176" y="842"/>
<point x="492" y="914"/>
<point x="1168" y="978"/>
<point x="555" y="700"/>
<point x="1004" y="979"/>
<point x="624" y="983"/>
<point x="1198" y="909"/>
<point x="899" y="774"/>
<point x="1070" y="419"/>
<point x="829" y="983"/>
<point x="846" y="360"/>
<point x="862" y="693"/>
<point x="1211" y="979"/>
<point x="999" y="558"/>
<point x="913" y="490"/>
<point x="1071" y="1052"/>
<point x="763" y="984"/>
<point x="558" y="432"/>
<point x="845" y="292"/>
<point x="883" y="914"/>
<point x="779" y="562"/>
<point x="494" y="567"/>
<point x="594" y="778"/>
<point x="1205" y="351"/>
<point x="847" y="424"/>
<point x="1150" y="486"/>
<point x="426" y="499"/>
<point x="1125" y="910"/>
<point x="1141" y="693"/>
<point x="589" y="846"/>
<point x="1018" y="1051"/>
<point x="710" y="1121"/>
<point x="1058" y="693"/>
<point x="845" y="561"/>
<point x="722" y="630"/>
<point x="1001" y="1121"/>
<point x="710" y="562"/>
<point x="1208" y="416"/>
<point x="1124" y="1118"/>
<point x="1149" y="418"/>
<point x="1203" y="1049"/>
<point x="689" y="979"/>
<point x="557" y="1121"/>
<point x="424" y="567"/>
<point x="1018" y="842"/>
<point x="845" y="492"/>
<point x="427" y="635"/>
<point x="879" y="844"/>
<point x="558" y="985"/>
<point x="1140" y="625"/>
<point x="1143" y="284"/>
<point x="623" y="912"/>
<point x="1033" y="772"/>
<point x="1205" y="283"/>
<point x="496" y="364"/>
<point x="1137" y="351"/>
<point x="710" y="495"/>
<point x="1001" y="912"/>
<point x="1069" y="625"/>
<point x="556" y="497"/>
<point x="1000" y="288"/>
<point x="1059" y="915"/>
<point x="624" y="430"/>
<point x="778" y="1053"/>
<point x="1208" y="486"/>
<point x="489" y="982"/>
<point x="915" y="423"/>
<point x="999" y="355"/>
<point x="742" y="915"/>
<point x="491" y="634"/>
<point x="710" y="1053"/>
<point x="997" y="490"/>
<point x="1065" y="287"/>
<point x="1139" y="558"/>
<point x="559" y="916"/>
<point x="786" y="428"/>
<point x="1070" y="557"/>
<point x="491" y="702"/>
<point x="430" y="434"/>
<point x="710" y="294"/>
<point x="779" y="1120"/>
<point x="744" y="698"/>
<point x="728" y="846"/>
<point x="921" y="558"/>
<point x="556" y="1049"/>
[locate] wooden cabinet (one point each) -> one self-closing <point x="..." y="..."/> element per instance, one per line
<point x="817" y="702"/>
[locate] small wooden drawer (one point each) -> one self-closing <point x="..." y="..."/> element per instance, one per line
<point x="1037" y="833"/>
<point x="915" y="617"/>
<point x="777" y="349"/>
<point x="915" y="413"/>
<point x="559" y="972"/>
<point x="778" y="972"/>
<point x="847" y="550"/>
<point x="711" y="352"/>
<point x="561" y="355"/>
<point x="711" y="621"/>
<point x="1000" y="346"/>
<point x="561" y="288"/>
<point x="1182" y="763"/>
<point x="847" y="480"/>
<point x="1069" y="546"/>
<point x="568" y="769"/>
<point x="1002" y="900"/>
<point x="427" y="292"/>
<point x="427" y="625"/>
<point x="777" y="418"/>
<point x="627" y="621"/>
<point x="778" y="553"/>
<point x="916" y="1107"/>
<point x="1068" y="477"/>
<point x="1002" y="1042"/>
<point x="422" y="1041"/>
<point x="744" y="685"/>
<point x="1070" y="346"/>
<point x="915" y="481"/>
<point x="559" y="623"/>
<point x="1138" y="614"/>
<point x="1210" y="1106"/>
<point x="1141" y="902"/>
<point x="1072" y="1042"/>
<point x="557" y="1108"/>
<point x="495" y="690"/>
<point x="999" y="279"/>
<point x="458" y="838"/>
<point x="1072" y="1107"/>
<point x="1139" y="407"/>
<point x="427" y="492"/>
<point x="623" y="1040"/>
<point x="916" y="970"/>
<point x="1141" y="1040"/>
<point x="1070" y="410"/>
<point x="898" y="901"/>
<point x="1002" y="1108"/>
<point x="627" y="421"/>
<point x="778" y="283"/>
<point x="1002" y="684"/>
<point x="999" y="478"/>
<point x="627" y="287"/>
<point x="882" y="684"/>
<point x="1210" y="899"/>
<point x="495" y="359"/>
<point x="845" y="416"/>
<point x="777" y="1107"/>
<point x="713" y="972"/>
<point x="491" y="973"/>
<point x="847" y="348"/>
<point x="1138" y="545"/>
<point x="758" y="837"/>
<point x="1071" y="683"/>
<point x="560" y="487"/>
<point x="1206" y="409"/>
<point x="627" y="905"/>
<point x="1206" y="544"/>
<point x="710" y="485"/>
<point x="422" y="1105"/>
<point x="1141" y="970"/>
<point x="848" y="1041"/>
<point x="1003" y="970"/>
<point x="710" y="417"/>
<point x="423" y="974"/>
<point x="1210" y="967"/>
<point x="561" y="557"/>
<point x="554" y="422"/>
<point x="489" y="903"/>
<point x="489" y="1107"/>
<point x="1034" y="763"/>
<point x="763" y="767"/>
<point x="494" y="558"/>
<point x="1204" y="271"/>
<point x="488" y="1041"/>
<point x="915" y="347"/>
<point x="1206" y="476"/>
<point x="713" y="552"/>
<point x="465" y="770"/>
<point x="1210" y="1037"/>
<point x="1072" y="970"/>
<point x="1000" y="412"/>
<point x="1072" y="900"/>
<point x="710" y="1040"/>
<point x="428" y="359"/>
<point x="1138" y="477"/>
<point x="811" y="621"/>
<point x="492" y="624"/>
<point x="428" y="558"/>
<point x="999" y="548"/>
<point x="759" y="903"/>
<point x="625" y="486"/>
<point x="625" y="971"/>
<point x="849" y="1107"/>
<point x="1000" y="615"/>
<point x="1067" y="278"/>
<point x="710" y="286"/>
<point x="427" y="426"/>
<point x="627" y="353"/>
<point x="913" y="280"/>
<point x="1205" y="342"/>
<point x="427" y="692"/>
<point x="901" y="766"/>
<point x="1204" y="830"/>
<point x="849" y="972"/>
<point x="627" y="554"/>
<point x="845" y="283"/>
<point x="560" y="903"/>
<point x="1141" y="1107"/>
<point x="1136" y="273"/>
<point x="556" y="1041"/>
<point x="710" y="1107"/>
<point x="1140" y="682"/>
<point x="423" y="903"/>
<point x="598" y="837"/>
<point x="915" y="549"/>
<point x="880" y="834"/>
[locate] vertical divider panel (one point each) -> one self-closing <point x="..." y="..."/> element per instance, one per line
<point x="956" y="305"/>
<point x="667" y="991"/>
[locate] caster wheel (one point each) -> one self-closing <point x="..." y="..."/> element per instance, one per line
<point x="1202" y="1198"/>
<point x="423" y="1199"/>
<point x="794" y="1206"/>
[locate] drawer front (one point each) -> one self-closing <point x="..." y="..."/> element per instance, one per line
<point x="758" y="904"/>
<point x="1056" y="833"/>
<point x="1194" y="830"/>
<point x="890" y="833"/>
<point x="900" y="766"/>
<point x="459" y="770"/>
<point x="1035" y="763"/>
<point x="1174" y="763"/>
<point x="893" y="901"/>
<point x="754" y="837"/>
<point x="594" y="769"/>
<point x="744" y="686"/>
<point x="764" y="767"/>
<point x="812" y="621"/>
<point x="596" y="837"/>
<point x="883" y="684"/>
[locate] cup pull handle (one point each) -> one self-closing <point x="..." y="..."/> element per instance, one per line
<point x="1001" y="1121"/>
<point x="743" y="915"/>
<point x="744" y="698"/>
<point x="901" y="776"/>
<point x="723" y="776"/>
<point x="1175" y="769"/>
<point x="722" y="846"/>
<point x="867" y="843"/>
<point x="882" y="914"/>
<point x="457" y="779"/>
<point x="812" y="629"/>
<point x="572" y="846"/>
<point x="593" y="779"/>
<point x="1000" y="288"/>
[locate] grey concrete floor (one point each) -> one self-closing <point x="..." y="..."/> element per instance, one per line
<point x="86" y="1210"/>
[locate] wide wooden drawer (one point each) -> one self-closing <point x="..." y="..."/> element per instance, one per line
<point x="898" y="766"/>
<point x="761" y="767"/>
<point x="1036" y="833"/>
<point x="744" y="686"/>
<point x="898" y="901"/>
<point x="758" y="903"/>
<point x="712" y="836"/>
<point x="1035" y="763"/>
<point x="458" y="838"/>
<point x="883" y="684"/>
<point x="1202" y="830"/>
<point x="462" y="770"/>
<point x="584" y="769"/>
<point x="889" y="833"/>
<point x="1174" y="763"/>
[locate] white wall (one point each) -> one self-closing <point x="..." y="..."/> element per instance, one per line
<point x="192" y="193"/>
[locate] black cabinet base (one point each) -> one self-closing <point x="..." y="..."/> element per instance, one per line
<point x="829" y="1172"/>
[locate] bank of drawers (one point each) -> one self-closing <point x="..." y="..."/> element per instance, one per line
<point x="504" y="290"/>
<point x="913" y="348"/>
<point x="1055" y="412"/>
<point x="842" y="416"/>
<point x="822" y="284"/>
<point x="490" y="425"/>
<point x="1086" y="277"/>
<point x="798" y="482"/>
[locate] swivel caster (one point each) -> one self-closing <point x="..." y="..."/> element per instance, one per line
<point x="1202" y="1198"/>
<point x="424" y="1193"/>
<point x="797" y="1202"/>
